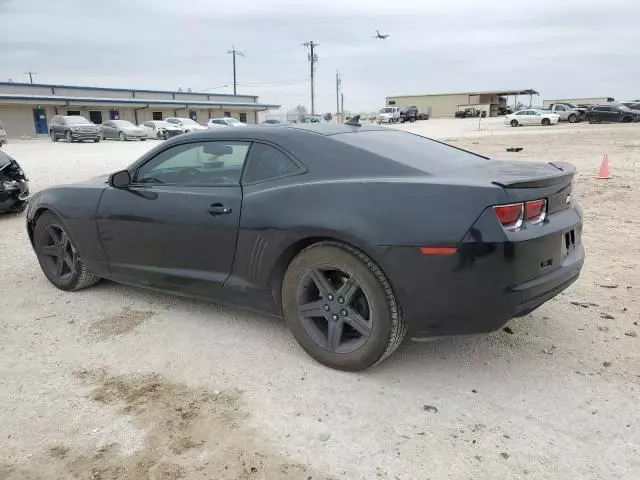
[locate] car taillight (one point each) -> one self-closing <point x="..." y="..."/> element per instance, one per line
<point x="515" y="215"/>
<point x="510" y="216"/>
<point x="535" y="211"/>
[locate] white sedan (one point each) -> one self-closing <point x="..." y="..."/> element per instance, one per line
<point x="161" y="130"/>
<point x="186" y="124"/>
<point x="531" y="116"/>
<point x="225" y="122"/>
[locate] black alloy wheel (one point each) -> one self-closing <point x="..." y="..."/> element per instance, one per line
<point x="340" y="307"/>
<point x="58" y="257"/>
<point x="334" y="309"/>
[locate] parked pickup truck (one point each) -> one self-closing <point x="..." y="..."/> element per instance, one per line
<point x="388" y="115"/>
<point x="470" y="112"/>
<point x="568" y="112"/>
<point x="411" y="114"/>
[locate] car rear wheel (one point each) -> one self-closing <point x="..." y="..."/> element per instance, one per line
<point x="68" y="136"/>
<point x="573" y="118"/>
<point x="514" y="123"/>
<point x="122" y="137"/>
<point x="53" y="136"/>
<point x="546" y="122"/>
<point x="58" y="257"/>
<point x="340" y="307"/>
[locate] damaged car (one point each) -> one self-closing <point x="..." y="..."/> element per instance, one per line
<point x="14" y="187"/>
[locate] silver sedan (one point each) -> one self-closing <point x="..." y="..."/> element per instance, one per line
<point x="122" y="130"/>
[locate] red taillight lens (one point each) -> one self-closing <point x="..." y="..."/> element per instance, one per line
<point x="534" y="211"/>
<point x="510" y="216"/>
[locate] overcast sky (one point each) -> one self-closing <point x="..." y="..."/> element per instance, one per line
<point x="562" y="48"/>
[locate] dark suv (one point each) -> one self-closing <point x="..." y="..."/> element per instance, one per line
<point x="73" y="128"/>
<point x="612" y="113"/>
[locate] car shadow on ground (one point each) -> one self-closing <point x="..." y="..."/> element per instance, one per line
<point x="517" y="340"/>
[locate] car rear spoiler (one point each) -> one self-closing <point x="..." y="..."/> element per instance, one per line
<point x="566" y="172"/>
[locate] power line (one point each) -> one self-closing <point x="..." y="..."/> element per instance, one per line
<point x="313" y="59"/>
<point x="31" y="74"/>
<point x="235" y="52"/>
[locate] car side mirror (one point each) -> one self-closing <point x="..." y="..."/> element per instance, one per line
<point x="121" y="179"/>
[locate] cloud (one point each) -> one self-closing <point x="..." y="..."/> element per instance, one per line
<point x="562" y="48"/>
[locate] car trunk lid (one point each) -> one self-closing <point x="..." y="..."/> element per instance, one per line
<point x="526" y="181"/>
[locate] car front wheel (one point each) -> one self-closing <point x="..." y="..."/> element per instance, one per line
<point x="514" y="123"/>
<point x="340" y="307"/>
<point x="58" y="257"/>
<point x="53" y="136"/>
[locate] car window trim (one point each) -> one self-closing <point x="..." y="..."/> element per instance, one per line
<point x="144" y="161"/>
<point x="302" y="169"/>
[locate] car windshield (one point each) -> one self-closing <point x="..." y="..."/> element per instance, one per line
<point x="175" y="121"/>
<point x="77" y="120"/>
<point x="412" y="150"/>
<point x="624" y="108"/>
<point x="386" y="110"/>
<point x="124" y="123"/>
<point x="163" y="124"/>
<point x="233" y="121"/>
<point x="188" y="121"/>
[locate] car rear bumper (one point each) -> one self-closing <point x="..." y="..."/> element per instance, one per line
<point x="486" y="282"/>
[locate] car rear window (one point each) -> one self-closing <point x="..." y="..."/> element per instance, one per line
<point x="412" y="150"/>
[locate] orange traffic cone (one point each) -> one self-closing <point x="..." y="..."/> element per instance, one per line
<point x="605" y="170"/>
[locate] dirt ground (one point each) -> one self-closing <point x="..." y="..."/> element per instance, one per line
<point x="115" y="382"/>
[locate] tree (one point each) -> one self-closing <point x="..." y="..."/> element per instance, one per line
<point x="301" y="110"/>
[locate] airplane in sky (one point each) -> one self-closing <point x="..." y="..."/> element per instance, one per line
<point x="381" y="36"/>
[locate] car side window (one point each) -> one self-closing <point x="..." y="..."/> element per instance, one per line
<point x="561" y="108"/>
<point x="148" y="124"/>
<point x="521" y="113"/>
<point x="267" y="162"/>
<point x="200" y="163"/>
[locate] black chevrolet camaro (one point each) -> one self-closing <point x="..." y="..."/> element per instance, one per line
<point x="357" y="235"/>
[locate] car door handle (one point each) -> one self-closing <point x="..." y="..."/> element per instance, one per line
<point x="219" y="209"/>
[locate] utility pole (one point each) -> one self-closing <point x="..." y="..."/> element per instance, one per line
<point x="338" y="83"/>
<point x="31" y="74"/>
<point x="342" y="104"/>
<point x="313" y="59"/>
<point x="235" y="52"/>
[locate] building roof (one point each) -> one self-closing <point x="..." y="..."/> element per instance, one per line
<point x="133" y="102"/>
<point x="528" y="91"/>
<point x="142" y="90"/>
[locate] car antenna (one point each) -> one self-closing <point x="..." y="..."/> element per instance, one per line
<point x="354" y="121"/>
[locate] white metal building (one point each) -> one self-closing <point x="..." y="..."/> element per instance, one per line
<point x="26" y="109"/>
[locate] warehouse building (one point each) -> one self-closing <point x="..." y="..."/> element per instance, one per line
<point x="580" y="101"/>
<point x="26" y="109"/>
<point x="447" y="104"/>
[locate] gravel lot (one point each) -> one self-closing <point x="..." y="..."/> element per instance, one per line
<point x="115" y="382"/>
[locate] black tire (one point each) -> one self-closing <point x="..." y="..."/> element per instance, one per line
<point x="122" y="137"/>
<point x="68" y="136"/>
<point x="54" y="137"/>
<point x="96" y="140"/>
<point x="573" y="118"/>
<point x="53" y="248"/>
<point x="142" y="139"/>
<point x="546" y="122"/>
<point x="385" y="328"/>
<point x="514" y="123"/>
<point x="627" y="120"/>
<point x="412" y="119"/>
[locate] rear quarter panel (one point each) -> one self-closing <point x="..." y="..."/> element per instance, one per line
<point x="371" y="214"/>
